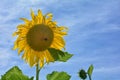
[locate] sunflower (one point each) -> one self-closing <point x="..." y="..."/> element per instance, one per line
<point x="36" y="36"/>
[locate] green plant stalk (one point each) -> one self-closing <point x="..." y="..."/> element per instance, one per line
<point x="90" y="77"/>
<point x="37" y="72"/>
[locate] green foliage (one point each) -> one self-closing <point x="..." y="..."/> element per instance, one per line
<point x="82" y="74"/>
<point x="58" y="76"/>
<point x="59" y="55"/>
<point x="90" y="70"/>
<point x="14" y="74"/>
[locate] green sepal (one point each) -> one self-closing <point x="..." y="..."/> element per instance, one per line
<point x="58" y="76"/>
<point x="90" y="70"/>
<point x="14" y="74"/>
<point x="59" y="55"/>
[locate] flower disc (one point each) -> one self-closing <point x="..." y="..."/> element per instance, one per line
<point x="40" y="37"/>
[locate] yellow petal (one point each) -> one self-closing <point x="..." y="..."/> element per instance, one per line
<point x="41" y="60"/>
<point x="41" y="63"/>
<point x="48" y="17"/>
<point x="58" y="42"/>
<point x="32" y="60"/>
<point x="25" y="20"/>
<point x="39" y="13"/>
<point x="15" y="33"/>
<point x="32" y="14"/>
<point x="49" y="58"/>
<point x="21" y="46"/>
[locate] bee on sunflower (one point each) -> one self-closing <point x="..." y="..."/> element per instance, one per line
<point x="36" y="36"/>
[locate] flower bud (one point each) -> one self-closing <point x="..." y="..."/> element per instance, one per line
<point x="82" y="74"/>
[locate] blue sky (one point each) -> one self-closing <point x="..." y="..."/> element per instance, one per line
<point x="93" y="37"/>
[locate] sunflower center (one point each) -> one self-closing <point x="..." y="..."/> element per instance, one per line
<point x="40" y="37"/>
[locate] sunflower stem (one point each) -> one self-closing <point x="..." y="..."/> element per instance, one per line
<point x="37" y="71"/>
<point x="90" y="77"/>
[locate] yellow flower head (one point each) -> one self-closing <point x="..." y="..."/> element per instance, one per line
<point x="35" y="36"/>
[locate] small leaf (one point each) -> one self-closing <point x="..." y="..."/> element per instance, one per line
<point x="82" y="74"/>
<point x="58" y="76"/>
<point x="59" y="55"/>
<point x="14" y="74"/>
<point x="90" y="70"/>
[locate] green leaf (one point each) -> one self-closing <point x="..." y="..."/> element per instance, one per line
<point x="58" y="76"/>
<point x="59" y="55"/>
<point x="90" y="70"/>
<point x="14" y="74"/>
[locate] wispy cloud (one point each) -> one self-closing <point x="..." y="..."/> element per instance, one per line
<point x="108" y="70"/>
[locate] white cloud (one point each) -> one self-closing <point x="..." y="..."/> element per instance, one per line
<point x="5" y="57"/>
<point x="108" y="70"/>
